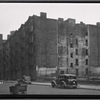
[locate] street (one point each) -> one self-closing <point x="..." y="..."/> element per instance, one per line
<point x="41" y="89"/>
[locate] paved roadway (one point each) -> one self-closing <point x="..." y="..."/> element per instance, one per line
<point x="40" y="89"/>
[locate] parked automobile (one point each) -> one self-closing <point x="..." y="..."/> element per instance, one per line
<point x="65" y="80"/>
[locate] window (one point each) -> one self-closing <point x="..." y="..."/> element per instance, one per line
<point x="71" y="45"/>
<point x="71" y="34"/>
<point x="86" y="51"/>
<point x="77" y="62"/>
<point x="86" y="71"/>
<point x="76" y="51"/>
<point x="65" y="77"/>
<point x="86" y="42"/>
<point x="60" y="50"/>
<point x="77" y="42"/>
<point x="67" y="61"/>
<point x="31" y="28"/>
<point x="86" y="33"/>
<point x="71" y="65"/>
<point x="58" y="76"/>
<point x="71" y="77"/>
<point x="71" y="55"/>
<point x="86" y="61"/>
<point x="59" y="60"/>
<point x="67" y="50"/>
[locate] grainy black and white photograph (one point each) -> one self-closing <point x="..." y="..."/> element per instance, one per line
<point x="49" y="49"/>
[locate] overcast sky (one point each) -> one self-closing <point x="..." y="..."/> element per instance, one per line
<point x="12" y="15"/>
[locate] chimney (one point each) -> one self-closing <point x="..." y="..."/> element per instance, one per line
<point x="12" y="32"/>
<point x="43" y="15"/>
<point x="71" y="22"/>
<point x="1" y="37"/>
<point x="60" y="20"/>
<point x="8" y="36"/>
<point x="98" y="24"/>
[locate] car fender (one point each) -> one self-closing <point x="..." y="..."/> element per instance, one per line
<point x="64" y="83"/>
<point x="54" y="82"/>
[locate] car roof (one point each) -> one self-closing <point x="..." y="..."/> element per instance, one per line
<point x="67" y="75"/>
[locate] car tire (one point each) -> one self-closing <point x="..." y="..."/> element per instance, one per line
<point x="53" y="84"/>
<point x="75" y="87"/>
<point x="30" y="83"/>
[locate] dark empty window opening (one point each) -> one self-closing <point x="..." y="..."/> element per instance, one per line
<point x="76" y="42"/>
<point x="67" y="50"/>
<point x="71" y="34"/>
<point x="67" y="61"/>
<point x="86" y="42"/>
<point x="76" y="51"/>
<point x="71" y="55"/>
<point x="71" y="45"/>
<point x="86" y="51"/>
<point x="86" y="71"/>
<point x="58" y="60"/>
<point x="71" y="65"/>
<point x="60" y="50"/>
<point x="86" y="61"/>
<point x="86" y="33"/>
<point x="77" y="62"/>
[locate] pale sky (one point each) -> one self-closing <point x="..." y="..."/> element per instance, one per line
<point x="12" y="15"/>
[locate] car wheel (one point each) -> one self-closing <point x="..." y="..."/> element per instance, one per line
<point x="30" y="83"/>
<point x="53" y="84"/>
<point x="75" y="87"/>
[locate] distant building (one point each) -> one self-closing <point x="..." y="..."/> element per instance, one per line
<point x="44" y="46"/>
<point x="1" y="56"/>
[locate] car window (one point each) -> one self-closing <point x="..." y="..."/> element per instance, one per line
<point x="71" y="77"/>
<point x="65" y="77"/>
<point x="58" y="76"/>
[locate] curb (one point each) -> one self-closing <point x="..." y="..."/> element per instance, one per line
<point x="9" y="81"/>
<point x="45" y="84"/>
<point x="89" y="88"/>
<point x="79" y="87"/>
<point x="48" y="84"/>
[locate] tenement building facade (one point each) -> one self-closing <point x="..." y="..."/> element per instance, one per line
<point x="1" y="56"/>
<point x="48" y="47"/>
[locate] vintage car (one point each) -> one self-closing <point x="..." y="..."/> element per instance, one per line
<point x="65" y="80"/>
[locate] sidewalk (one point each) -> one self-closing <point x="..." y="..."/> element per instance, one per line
<point x="91" y="87"/>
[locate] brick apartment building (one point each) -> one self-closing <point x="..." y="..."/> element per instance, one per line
<point x="44" y="46"/>
<point x="1" y="55"/>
